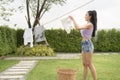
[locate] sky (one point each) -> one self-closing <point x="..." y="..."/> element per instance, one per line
<point x="108" y="14"/>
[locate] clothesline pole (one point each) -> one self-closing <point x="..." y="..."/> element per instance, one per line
<point x="68" y="12"/>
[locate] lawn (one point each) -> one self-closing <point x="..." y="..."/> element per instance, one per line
<point x="4" y="64"/>
<point x="107" y="66"/>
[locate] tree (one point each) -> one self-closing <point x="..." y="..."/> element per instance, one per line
<point x="35" y="9"/>
<point x="8" y="8"/>
<point x="5" y="11"/>
<point x="38" y="9"/>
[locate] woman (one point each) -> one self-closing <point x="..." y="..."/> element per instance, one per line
<point x="87" y="31"/>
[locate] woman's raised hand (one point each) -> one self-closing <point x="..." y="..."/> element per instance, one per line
<point x="71" y="17"/>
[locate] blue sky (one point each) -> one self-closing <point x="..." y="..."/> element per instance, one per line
<point x="108" y="14"/>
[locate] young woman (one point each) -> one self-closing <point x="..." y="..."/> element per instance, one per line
<point x="87" y="31"/>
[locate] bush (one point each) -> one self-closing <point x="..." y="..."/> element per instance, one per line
<point x="38" y="50"/>
<point x="7" y="40"/>
<point x="106" y="40"/>
<point x="63" y="42"/>
<point x="19" y="34"/>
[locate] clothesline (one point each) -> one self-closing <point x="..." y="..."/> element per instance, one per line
<point x="68" y="12"/>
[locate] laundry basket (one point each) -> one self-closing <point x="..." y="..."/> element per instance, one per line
<point x="67" y="74"/>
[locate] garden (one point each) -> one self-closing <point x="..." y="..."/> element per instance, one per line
<point x="107" y="66"/>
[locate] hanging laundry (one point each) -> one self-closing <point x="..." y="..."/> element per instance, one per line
<point x="67" y="24"/>
<point x="28" y="37"/>
<point x="39" y="33"/>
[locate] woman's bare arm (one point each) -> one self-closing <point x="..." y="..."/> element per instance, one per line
<point x="78" y="27"/>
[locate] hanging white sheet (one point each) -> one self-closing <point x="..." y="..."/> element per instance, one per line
<point x="67" y="24"/>
<point x="28" y="37"/>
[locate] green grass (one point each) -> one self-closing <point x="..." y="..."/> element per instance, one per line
<point x="107" y="66"/>
<point x="4" y="64"/>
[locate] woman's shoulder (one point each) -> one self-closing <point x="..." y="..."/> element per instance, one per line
<point x="89" y="25"/>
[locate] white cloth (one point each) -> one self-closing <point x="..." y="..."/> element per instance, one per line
<point x="28" y="37"/>
<point x="39" y="33"/>
<point x="67" y="24"/>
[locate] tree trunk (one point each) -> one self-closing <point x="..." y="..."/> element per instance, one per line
<point x="39" y="13"/>
<point x="28" y="14"/>
<point x="37" y="18"/>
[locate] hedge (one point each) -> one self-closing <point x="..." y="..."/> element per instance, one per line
<point x="63" y="42"/>
<point x="58" y="39"/>
<point x="108" y="41"/>
<point x="8" y="40"/>
<point x="19" y="33"/>
<point x="105" y="41"/>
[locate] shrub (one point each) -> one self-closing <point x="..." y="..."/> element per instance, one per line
<point x="10" y="39"/>
<point x="19" y="34"/>
<point x="7" y="40"/>
<point x="38" y="50"/>
<point x="63" y="42"/>
<point x="106" y="40"/>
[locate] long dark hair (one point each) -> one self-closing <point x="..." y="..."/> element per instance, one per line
<point x="93" y="20"/>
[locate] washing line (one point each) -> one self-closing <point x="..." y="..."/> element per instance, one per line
<point x="68" y="12"/>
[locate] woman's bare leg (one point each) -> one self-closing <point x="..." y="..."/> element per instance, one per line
<point x="85" y="72"/>
<point x="88" y="63"/>
<point x="91" y="66"/>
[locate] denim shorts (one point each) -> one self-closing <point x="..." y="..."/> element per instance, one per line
<point x="87" y="46"/>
